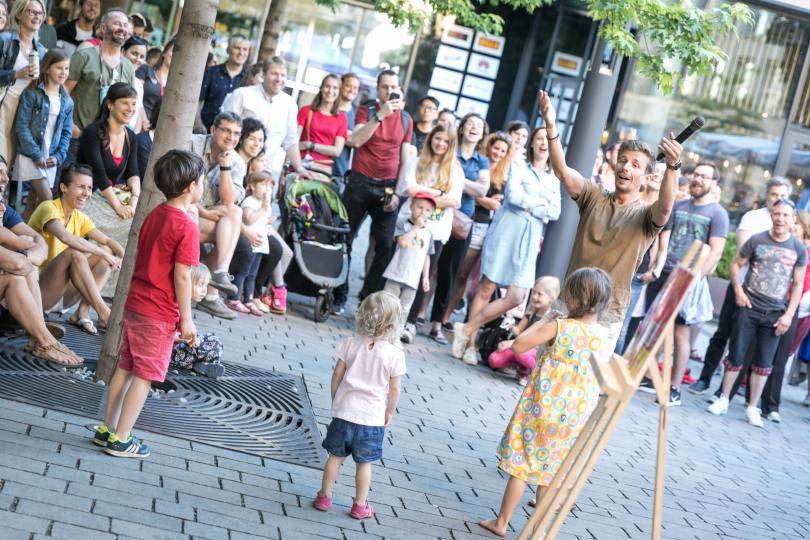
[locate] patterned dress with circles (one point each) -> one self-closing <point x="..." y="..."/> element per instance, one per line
<point x="554" y="405"/>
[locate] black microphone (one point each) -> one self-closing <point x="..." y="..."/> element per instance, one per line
<point x="696" y="124"/>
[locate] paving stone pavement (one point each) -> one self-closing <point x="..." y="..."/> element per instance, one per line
<point x="438" y="476"/>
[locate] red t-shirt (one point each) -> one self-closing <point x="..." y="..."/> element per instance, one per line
<point x="323" y="130"/>
<point x="379" y="156"/>
<point x="167" y="237"/>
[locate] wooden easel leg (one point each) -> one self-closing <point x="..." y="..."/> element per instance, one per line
<point x="658" y="501"/>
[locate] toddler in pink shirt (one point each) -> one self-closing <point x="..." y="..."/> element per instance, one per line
<point x="367" y="373"/>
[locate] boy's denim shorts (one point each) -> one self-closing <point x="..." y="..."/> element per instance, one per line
<point x="364" y="443"/>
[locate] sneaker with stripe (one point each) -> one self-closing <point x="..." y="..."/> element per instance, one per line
<point x="101" y="435"/>
<point x="131" y="448"/>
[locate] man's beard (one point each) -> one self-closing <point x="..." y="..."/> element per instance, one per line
<point x="110" y="36"/>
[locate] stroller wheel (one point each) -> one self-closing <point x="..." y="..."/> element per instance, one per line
<point x="322" y="308"/>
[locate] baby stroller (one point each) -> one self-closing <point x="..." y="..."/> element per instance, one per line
<point x="315" y="225"/>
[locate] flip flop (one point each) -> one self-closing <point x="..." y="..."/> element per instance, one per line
<point x="80" y="325"/>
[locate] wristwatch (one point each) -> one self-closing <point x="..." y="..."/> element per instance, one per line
<point x="377" y="118"/>
<point x="674" y="167"/>
<point x="23" y="252"/>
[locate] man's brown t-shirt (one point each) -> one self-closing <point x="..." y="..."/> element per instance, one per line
<point x="613" y="237"/>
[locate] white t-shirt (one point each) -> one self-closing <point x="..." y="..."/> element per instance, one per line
<point x="362" y="394"/>
<point x="755" y="221"/>
<point x="440" y="222"/>
<point x="137" y="84"/>
<point x="19" y="85"/>
<point x="804" y="306"/>
<point x="408" y="262"/>
<point x="260" y="225"/>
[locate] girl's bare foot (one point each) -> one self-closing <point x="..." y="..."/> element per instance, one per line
<point x="493" y="527"/>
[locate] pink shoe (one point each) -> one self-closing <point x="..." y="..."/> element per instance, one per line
<point x="253" y="309"/>
<point x="279" y="303"/>
<point x="322" y="502"/>
<point x="360" y="512"/>
<point x="236" y="305"/>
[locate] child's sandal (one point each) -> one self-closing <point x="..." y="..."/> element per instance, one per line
<point x="236" y="305"/>
<point x="253" y="309"/>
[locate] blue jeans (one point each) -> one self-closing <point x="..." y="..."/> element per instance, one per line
<point x="635" y="291"/>
<point x="247" y="277"/>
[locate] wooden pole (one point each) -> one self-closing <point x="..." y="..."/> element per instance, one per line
<point x="173" y="131"/>
<point x="658" y="500"/>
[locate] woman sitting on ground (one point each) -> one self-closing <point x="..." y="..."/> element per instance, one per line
<point x="322" y="130"/>
<point x="69" y="275"/>
<point x="501" y="150"/>
<point x="109" y="146"/>
<point x="531" y="197"/>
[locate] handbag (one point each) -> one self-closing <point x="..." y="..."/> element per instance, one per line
<point x="462" y="224"/>
<point x="698" y="307"/>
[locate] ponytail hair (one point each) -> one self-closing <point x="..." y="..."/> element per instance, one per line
<point x="119" y="90"/>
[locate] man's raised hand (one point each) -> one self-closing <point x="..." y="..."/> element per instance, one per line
<point x="547" y="109"/>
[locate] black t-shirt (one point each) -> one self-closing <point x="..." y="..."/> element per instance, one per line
<point x="418" y="138"/>
<point x="770" y="269"/>
<point x="644" y="267"/>
<point x="482" y="215"/>
<point x="152" y="87"/>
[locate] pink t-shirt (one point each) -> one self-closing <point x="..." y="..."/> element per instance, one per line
<point x="362" y="394"/>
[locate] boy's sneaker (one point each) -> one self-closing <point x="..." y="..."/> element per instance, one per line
<point x="279" y="303"/>
<point x="322" y="502"/>
<point x="360" y="511"/>
<point x="646" y="386"/>
<point x="408" y="333"/>
<point x="720" y="406"/>
<point x="132" y="448"/>
<point x="699" y="387"/>
<point x="221" y="281"/>
<point x="209" y="369"/>
<point x="752" y="416"/>
<point x="216" y="307"/>
<point x="101" y="435"/>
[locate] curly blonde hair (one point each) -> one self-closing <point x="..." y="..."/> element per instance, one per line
<point x="379" y="317"/>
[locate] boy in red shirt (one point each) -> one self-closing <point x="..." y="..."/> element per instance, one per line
<point x="159" y="297"/>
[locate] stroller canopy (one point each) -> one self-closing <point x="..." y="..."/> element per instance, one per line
<point x="295" y="188"/>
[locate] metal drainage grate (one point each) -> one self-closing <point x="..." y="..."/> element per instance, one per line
<point x="248" y="410"/>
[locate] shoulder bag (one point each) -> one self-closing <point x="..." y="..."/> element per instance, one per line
<point x="462" y="224"/>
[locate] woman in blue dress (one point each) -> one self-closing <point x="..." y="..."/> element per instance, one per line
<point x="531" y="198"/>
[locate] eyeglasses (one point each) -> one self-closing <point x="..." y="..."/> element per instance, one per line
<point x="34" y="14"/>
<point x="702" y="177"/>
<point x="504" y="136"/>
<point x="428" y="108"/>
<point x="230" y="132"/>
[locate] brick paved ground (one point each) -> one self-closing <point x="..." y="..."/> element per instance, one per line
<point x="438" y="477"/>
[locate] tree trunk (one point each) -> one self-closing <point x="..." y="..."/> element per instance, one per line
<point x="173" y="131"/>
<point x="272" y="29"/>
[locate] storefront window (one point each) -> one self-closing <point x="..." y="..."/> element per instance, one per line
<point x="745" y="102"/>
<point x="381" y="46"/>
<point x="236" y="17"/>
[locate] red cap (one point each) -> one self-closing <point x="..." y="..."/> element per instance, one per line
<point x="425" y="195"/>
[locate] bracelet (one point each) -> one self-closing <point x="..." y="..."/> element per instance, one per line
<point x="554" y="138"/>
<point x="221" y="168"/>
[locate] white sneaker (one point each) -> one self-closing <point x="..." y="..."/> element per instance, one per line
<point x="408" y="333"/>
<point x="470" y="356"/>
<point x="773" y="416"/>
<point x="459" y="340"/>
<point x="753" y="416"/>
<point x="806" y="401"/>
<point x="720" y="406"/>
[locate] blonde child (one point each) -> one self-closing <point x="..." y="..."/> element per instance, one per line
<point x="554" y="405"/>
<point x="256" y="213"/>
<point x="367" y="372"/>
<point x="203" y="356"/>
<point x="546" y="289"/>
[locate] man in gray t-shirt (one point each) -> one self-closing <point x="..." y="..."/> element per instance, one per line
<point x="763" y="312"/>
<point x="697" y="218"/>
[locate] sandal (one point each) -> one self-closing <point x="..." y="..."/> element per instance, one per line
<point x="80" y="324"/>
<point x="236" y="305"/>
<point x="253" y="309"/>
<point x="41" y="352"/>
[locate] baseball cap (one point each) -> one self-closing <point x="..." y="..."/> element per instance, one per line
<point x="431" y="98"/>
<point x="425" y="195"/>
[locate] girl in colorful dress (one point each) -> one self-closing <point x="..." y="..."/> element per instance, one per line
<point x="555" y="403"/>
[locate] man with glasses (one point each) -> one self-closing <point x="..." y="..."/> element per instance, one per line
<point x="697" y="218"/>
<point x="71" y="33"/>
<point x="428" y="113"/>
<point x="763" y="311"/>
<point x="753" y="222"/>
<point x="220" y="217"/>
<point x="93" y="71"/>
<point x="221" y="80"/>
<point x="22" y="250"/>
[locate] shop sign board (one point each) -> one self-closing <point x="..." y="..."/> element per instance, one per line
<point x="446" y="101"/>
<point x="445" y="79"/>
<point x="458" y="36"/>
<point x="492" y="45"/>
<point x="566" y="64"/>
<point x="477" y="88"/>
<point x="485" y="66"/>
<point x="466" y="106"/>
<point x="452" y="58"/>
